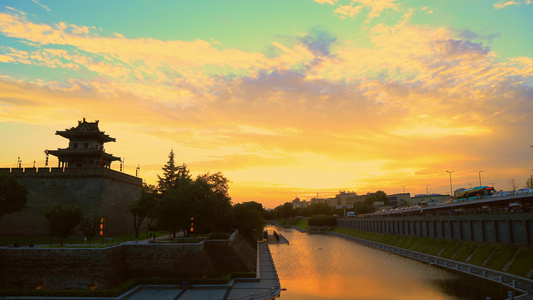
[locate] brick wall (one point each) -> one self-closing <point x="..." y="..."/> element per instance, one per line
<point x="100" y="192"/>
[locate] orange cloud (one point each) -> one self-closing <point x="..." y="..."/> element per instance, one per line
<point x="321" y="115"/>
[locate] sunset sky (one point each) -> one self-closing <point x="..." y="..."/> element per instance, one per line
<point x="285" y="97"/>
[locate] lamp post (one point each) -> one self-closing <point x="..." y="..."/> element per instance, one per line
<point x="403" y="188"/>
<point x="427" y="189"/>
<point x="450" y="182"/>
<point x="480" y="177"/>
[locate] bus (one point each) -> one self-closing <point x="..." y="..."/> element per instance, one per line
<point x="475" y="193"/>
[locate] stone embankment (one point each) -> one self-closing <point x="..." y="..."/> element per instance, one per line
<point x="103" y="268"/>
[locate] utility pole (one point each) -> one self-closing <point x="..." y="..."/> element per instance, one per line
<point x="480" y="177"/>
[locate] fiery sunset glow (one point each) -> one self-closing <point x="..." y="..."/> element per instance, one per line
<point x="286" y="98"/>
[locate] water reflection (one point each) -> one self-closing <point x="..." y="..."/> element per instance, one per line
<point x="319" y="266"/>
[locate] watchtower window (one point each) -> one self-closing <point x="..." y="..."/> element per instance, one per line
<point x="85" y="145"/>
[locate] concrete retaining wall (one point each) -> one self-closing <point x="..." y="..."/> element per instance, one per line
<point x="511" y="228"/>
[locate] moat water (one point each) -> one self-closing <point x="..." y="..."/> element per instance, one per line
<point x="318" y="266"/>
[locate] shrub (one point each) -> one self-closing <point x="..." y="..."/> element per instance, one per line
<point x="322" y="220"/>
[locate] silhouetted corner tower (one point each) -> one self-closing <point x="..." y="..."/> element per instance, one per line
<point x="85" y="147"/>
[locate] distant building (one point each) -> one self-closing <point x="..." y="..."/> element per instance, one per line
<point x="399" y="200"/>
<point x="345" y="200"/>
<point x="297" y="203"/>
<point x="329" y="201"/>
<point x="83" y="178"/>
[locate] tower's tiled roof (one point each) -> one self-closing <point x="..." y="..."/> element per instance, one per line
<point x="86" y="130"/>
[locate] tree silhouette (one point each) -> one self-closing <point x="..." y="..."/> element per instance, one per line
<point x="170" y="171"/>
<point x="62" y="221"/>
<point x="89" y="226"/>
<point x="143" y="207"/>
<point x="13" y="195"/>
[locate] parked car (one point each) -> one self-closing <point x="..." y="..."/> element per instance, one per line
<point x="524" y="191"/>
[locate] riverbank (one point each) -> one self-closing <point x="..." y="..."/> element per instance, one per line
<point x="508" y="265"/>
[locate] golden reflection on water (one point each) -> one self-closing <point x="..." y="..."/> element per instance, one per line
<point x="325" y="267"/>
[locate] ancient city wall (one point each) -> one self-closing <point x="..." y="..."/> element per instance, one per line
<point x="32" y="268"/>
<point x="169" y="260"/>
<point x="99" y="191"/>
<point x="230" y="255"/>
<point x="100" y="268"/>
<point x="510" y="228"/>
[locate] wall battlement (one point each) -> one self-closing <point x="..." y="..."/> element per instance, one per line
<point x="72" y="172"/>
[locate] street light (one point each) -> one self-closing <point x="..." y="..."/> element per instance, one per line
<point x="480" y="177"/>
<point x="403" y="188"/>
<point x="427" y="189"/>
<point x="450" y="182"/>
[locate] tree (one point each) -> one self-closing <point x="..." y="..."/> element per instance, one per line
<point x="513" y="184"/>
<point x="89" y="226"/>
<point x="248" y="219"/>
<point x="212" y="203"/>
<point x="381" y="196"/>
<point x="170" y="171"/>
<point x="175" y="208"/>
<point x="320" y="209"/>
<point x="13" y="195"/>
<point x="143" y="207"/>
<point x="322" y="220"/>
<point x="62" y="221"/>
<point x="286" y="210"/>
<point x="529" y="183"/>
<point x="364" y="207"/>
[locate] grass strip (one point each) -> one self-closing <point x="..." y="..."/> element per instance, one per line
<point x="500" y="257"/>
<point x="464" y="251"/>
<point x="437" y="247"/>
<point x="481" y="254"/>
<point x="523" y="262"/>
<point x="450" y="248"/>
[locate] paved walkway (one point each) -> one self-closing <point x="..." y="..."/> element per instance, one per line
<point x="266" y="286"/>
